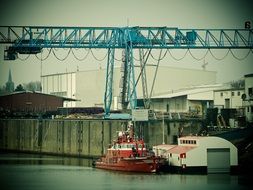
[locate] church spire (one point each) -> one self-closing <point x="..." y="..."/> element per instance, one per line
<point x="10" y="78"/>
<point x="9" y="85"/>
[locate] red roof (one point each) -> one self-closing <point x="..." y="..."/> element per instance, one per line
<point x="180" y="149"/>
<point x="165" y="146"/>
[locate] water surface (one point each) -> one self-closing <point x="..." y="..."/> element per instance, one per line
<point x="30" y="172"/>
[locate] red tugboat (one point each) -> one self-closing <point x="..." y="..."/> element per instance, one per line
<point x="129" y="154"/>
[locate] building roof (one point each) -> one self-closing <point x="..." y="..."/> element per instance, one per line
<point x="55" y="74"/>
<point x="180" y="149"/>
<point x="190" y="92"/>
<point x="164" y="146"/>
<point x="228" y="89"/>
<point x="249" y="75"/>
<point x="39" y="93"/>
<point x="192" y="137"/>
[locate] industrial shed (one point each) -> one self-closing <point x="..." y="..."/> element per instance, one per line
<point x="30" y="102"/>
<point x="200" y="154"/>
<point x="194" y="99"/>
<point x="91" y="93"/>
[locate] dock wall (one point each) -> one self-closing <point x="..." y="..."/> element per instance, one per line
<point x="81" y="138"/>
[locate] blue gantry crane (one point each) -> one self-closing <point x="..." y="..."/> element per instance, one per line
<point x="32" y="39"/>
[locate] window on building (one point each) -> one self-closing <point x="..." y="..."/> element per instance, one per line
<point x="221" y="94"/>
<point x="188" y="142"/>
<point x="232" y="93"/>
<point x="238" y="93"/>
<point x="227" y="103"/>
<point x="251" y="109"/>
<point x="250" y="91"/>
<point x="168" y="108"/>
<point x="248" y="109"/>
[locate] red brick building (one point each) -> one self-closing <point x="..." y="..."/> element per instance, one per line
<point x="27" y="101"/>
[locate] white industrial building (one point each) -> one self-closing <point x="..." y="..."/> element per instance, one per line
<point x="248" y="97"/>
<point x="63" y="84"/>
<point x="195" y="100"/>
<point x="240" y="99"/>
<point x="88" y="86"/>
<point x="207" y="154"/>
<point x="228" y="98"/>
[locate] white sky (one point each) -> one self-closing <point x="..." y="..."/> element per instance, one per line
<point x="172" y="13"/>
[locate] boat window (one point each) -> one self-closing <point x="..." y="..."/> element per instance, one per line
<point x="130" y="146"/>
<point x="188" y="142"/>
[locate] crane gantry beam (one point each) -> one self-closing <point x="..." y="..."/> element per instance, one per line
<point x="140" y="37"/>
<point x="32" y="39"/>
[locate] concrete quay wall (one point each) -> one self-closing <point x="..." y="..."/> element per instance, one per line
<point x="81" y="138"/>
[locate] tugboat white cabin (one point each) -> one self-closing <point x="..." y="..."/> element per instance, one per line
<point x="200" y="154"/>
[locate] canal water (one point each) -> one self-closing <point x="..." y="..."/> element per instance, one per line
<point x="34" y="172"/>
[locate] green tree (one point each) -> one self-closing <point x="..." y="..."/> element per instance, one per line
<point x="33" y="86"/>
<point x="19" y="88"/>
<point x="238" y="84"/>
<point x="3" y="90"/>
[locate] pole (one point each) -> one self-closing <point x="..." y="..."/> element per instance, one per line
<point x="41" y="72"/>
<point x="163" y="128"/>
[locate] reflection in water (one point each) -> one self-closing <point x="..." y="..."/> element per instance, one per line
<point x="31" y="159"/>
<point x="26" y="172"/>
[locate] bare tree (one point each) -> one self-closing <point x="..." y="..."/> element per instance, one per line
<point x="33" y="86"/>
<point x="237" y="84"/>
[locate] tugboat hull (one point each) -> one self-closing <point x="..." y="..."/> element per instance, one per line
<point x="129" y="154"/>
<point x="147" y="165"/>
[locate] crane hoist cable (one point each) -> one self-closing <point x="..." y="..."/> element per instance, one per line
<point x="117" y="59"/>
<point x="239" y="58"/>
<point x="219" y="59"/>
<point x="62" y="59"/>
<point x="144" y="64"/>
<point x="81" y="59"/>
<point x="24" y="59"/>
<point x="154" y="79"/>
<point x="136" y="59"/>
<point x="98" y="58"/>
<point x="43" y="59"/>
<point x="178" y="59"/>
<point x="198" y="59"/>
<point x="160" y="57"/>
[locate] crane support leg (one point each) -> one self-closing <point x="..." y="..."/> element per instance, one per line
<point x="109" y="81"/>
<point x="143" y="78"/>
<point x="131" y="89"/>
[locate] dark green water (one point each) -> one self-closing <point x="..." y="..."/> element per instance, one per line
<point x="27" y="172"/>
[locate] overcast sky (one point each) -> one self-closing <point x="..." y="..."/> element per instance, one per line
<point x="172" y="13"/>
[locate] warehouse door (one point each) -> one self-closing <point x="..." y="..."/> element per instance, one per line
<point x="227" y="103"/>
<point x="218" y="160"/>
